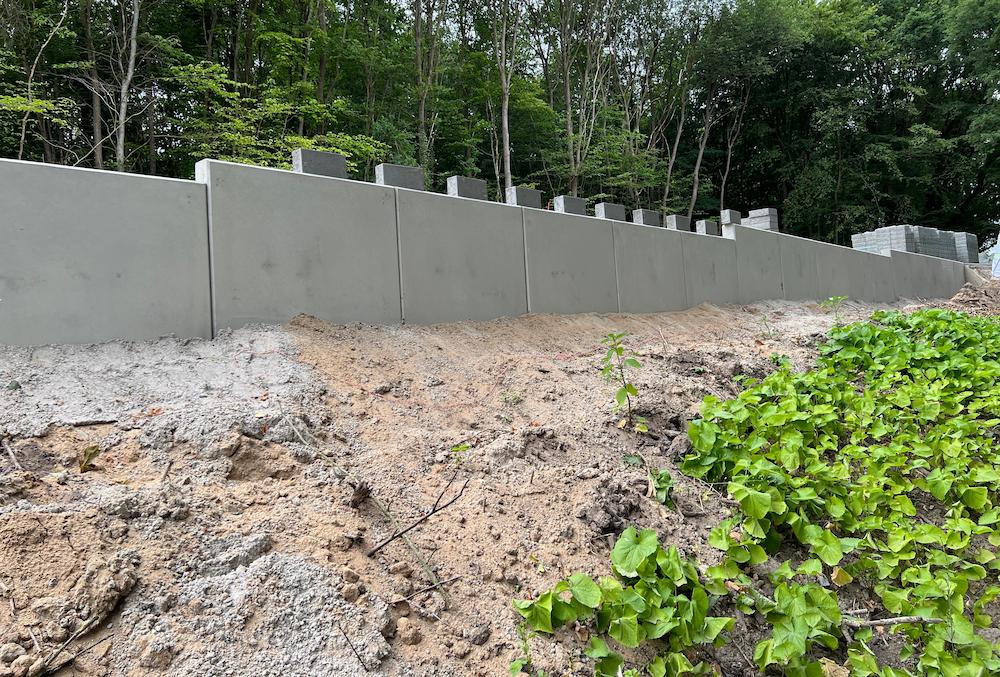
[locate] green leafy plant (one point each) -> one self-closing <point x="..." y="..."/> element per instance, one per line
<point x="614" y="368"/>
<point x="881" y="464"/>
<point x="86" y="459"/>
<point x="833" y="305"/>
<point x="663" y="487"/>
<point x="655" y="595"/>
<point x="460" y="451"/>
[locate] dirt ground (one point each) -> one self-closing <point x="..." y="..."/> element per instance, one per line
<point x="207" y="507"/>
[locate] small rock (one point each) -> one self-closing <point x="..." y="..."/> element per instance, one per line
<point x="8" y="652"/>
<point x="461" y="649"/>
<point x="401" y="569"/>
<point x="587" y="473"/>
<point x="477" y="634"/>
<point x="21" y="665"/>
<point x="350" y="592"/>
<point x="408" y="631"/>
<point x="679" y="447"/>
<point x="349" y="575"/>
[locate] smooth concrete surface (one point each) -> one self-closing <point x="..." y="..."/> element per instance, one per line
<point x="459" y="258"/>
<point x="610" y="210"/>
<point x="570" y="263"/>
<point x="646" y="217"/>
<point x="917" y="276"/>
<point x="758" y="263"/>
<point x="466" y="186"/>
<point x="400" y="176"/>
<point x="840" y="271"/>
<point x="519" y="196"/>
<point x="709" y="269"/>
<point x="798" y="267"/>
<point x="305" y="161"/>
<point x="879" y="284"/>
<point x="285" y="243"/>
<point x="567" y="204"/>
<point x="89" y="255"/>
<point x="650" y="266"/>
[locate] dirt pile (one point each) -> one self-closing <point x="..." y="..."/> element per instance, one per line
<point x="238" y="485"/>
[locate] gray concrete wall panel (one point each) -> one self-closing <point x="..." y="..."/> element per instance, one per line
<point x="460" y="259"/>
<point x="286" y="243"/>
<point x="758" y="263"/>
<point x="89" y="256"/>
<point x="650" y="266"/>
<point x="798" y="267"/>
<point x="709" y="269"/>
<point x="570" y="263"/>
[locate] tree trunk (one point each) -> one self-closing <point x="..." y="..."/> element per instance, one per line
<point x="126" y="86"/>
<point x="709" y="113"/>
<point x="505" y="128"/>
<point x="96" y="108"/>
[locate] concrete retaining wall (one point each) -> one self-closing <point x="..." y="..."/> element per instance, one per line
<point x="286" y="243"/>
<point x="459" y="258"/>
<point x="570" y="263"/>
<point x="649" y="263"/>
<point x="88" y="256"/>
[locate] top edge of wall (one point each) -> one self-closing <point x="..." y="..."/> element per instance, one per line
<point x="99" y="172"/>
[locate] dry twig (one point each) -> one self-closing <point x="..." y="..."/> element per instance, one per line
<point x="351" y="644"/>
<point x="436" y="508"/>
<point x="10" y="452"/>
<point x="427" y="589"/>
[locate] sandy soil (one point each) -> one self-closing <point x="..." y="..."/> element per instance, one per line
<point x="235" y="487"/>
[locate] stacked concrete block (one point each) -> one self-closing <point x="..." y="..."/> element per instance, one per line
<point x="567" y="204"/>
<point x="318" y="162"/>
<point x="762" y="219"/>
<point x="966" y="247"/>
<point x="524" y="197"/>
<point x="466" y="186"/>
<point x="708" y="227"/>
<point x="729" y="217"/>
<point x="610" y="210"/>
<point x="401" y="176"/>
<point x="646" y="217"/>
<point x="924" y="240"/>
<point x="675" y="222"/>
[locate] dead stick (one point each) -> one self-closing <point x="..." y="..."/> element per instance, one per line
<point x="10" y="452"/>
<point x="351" y="644"/>
<point x="166" y="470"/>
<point x="898" y="620"/>
<point x="343" y="474"/>
<point x="427" y="589"/>
<point x="60" y="666"/>
<point x="435" y="510"/>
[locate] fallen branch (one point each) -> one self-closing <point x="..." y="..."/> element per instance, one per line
<point x="59" y="666"/>
<point x="351" y="644"/>
<point x="436" y="508"/>
<point x="898" y="620"/>
<point x="423" y="590"/>
<point x="10" y="452"/>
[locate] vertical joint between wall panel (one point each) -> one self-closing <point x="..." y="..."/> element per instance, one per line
<point x="399" y="255"/>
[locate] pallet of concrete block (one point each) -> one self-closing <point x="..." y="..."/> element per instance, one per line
<point x="924" y="240"/>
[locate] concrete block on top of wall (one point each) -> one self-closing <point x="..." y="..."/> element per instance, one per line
<point x="675" y="222"/>
<point x="758" y="263"/>
<point x="567" y="204"/>
<point x="466" y="186"/>
<point x="524" y="197"/>
<point x="650" y="269"/>
<point x="729" y="217"/>
<point x="610" y="210"/>
<point x="764" y="219"/>
<point x="459" y="259"/>
<point x="321" y="163"/>
<point x="73" y="270"/>
<point x="646" y="217"/>
<point x="401" y="176"/>
<point x="570" y="263"/>
<point x="285" y="243"/>
<point x="707" y="227"/>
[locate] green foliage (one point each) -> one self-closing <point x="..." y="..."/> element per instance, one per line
<point x="663" y="486"/>
<point x="880" y="462"/>
<point x="654" y="597"/>
<point x="833" y="305"/>
<point x="614" y="368"/>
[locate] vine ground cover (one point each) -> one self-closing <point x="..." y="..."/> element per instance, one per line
<point x="873" y="476"/>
